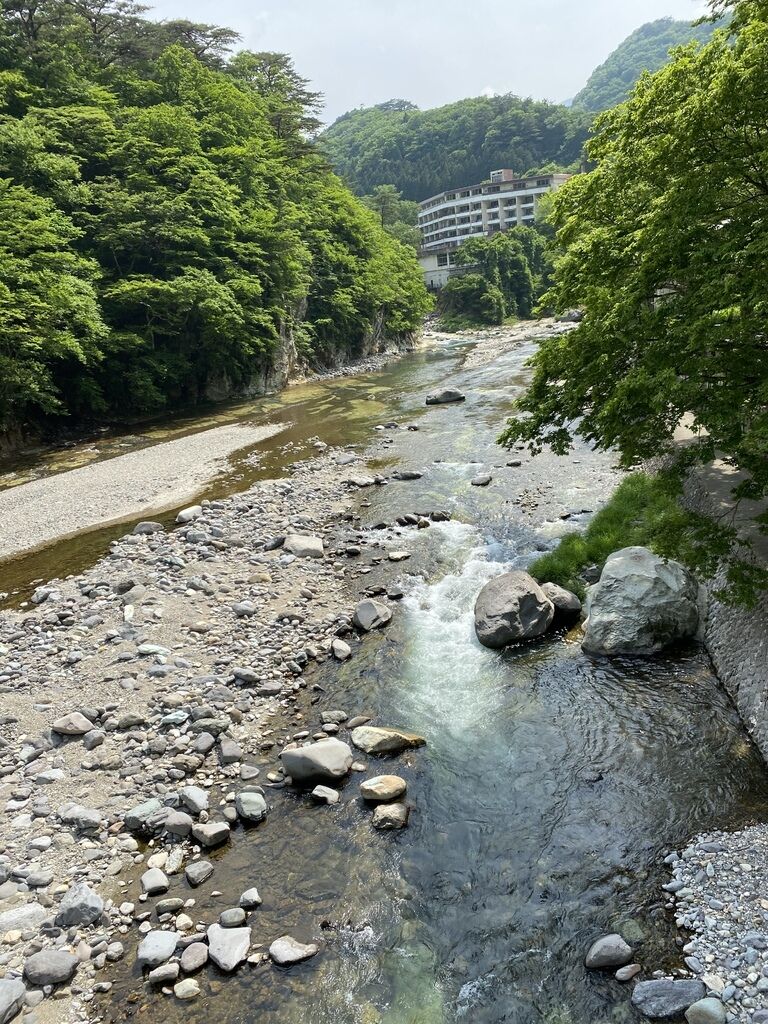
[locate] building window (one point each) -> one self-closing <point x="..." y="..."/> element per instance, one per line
<point x="442" y="260"/>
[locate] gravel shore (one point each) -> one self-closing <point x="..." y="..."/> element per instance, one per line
<point x="160" y="477"/>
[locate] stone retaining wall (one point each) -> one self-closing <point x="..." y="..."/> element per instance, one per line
<point x="737" y="640"/>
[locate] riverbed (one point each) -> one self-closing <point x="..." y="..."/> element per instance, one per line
<point x="551" y="785"/>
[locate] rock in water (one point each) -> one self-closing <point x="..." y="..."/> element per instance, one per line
<point x="370" y="614"/>
<point x="188" y="515"/>
<point x="383" y="787"/>
<point x="567" y="605"/>
<point x="303" y="547"/>
<point x="12" y="992"/>
<point x="50" y="967"/>
<point x="666" y="1000"/>
<point x="445" y="397"/>
<point x="286" y="951"/>
<point x="377" y="740"/>
<point x="326" y="759"/>
<point x="387" y="817"/>
<point x="228" y="947"/>
<point x="80" y="906"/>
<point x="706" y="1011"/>
<point x="251" y="806"/>
<point x="641" y="604"/>
<point x="510" y="608"/>
<point x="608" y="951"/>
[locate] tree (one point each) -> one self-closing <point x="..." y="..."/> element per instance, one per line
<point x="472" y="299"/>
<point x="292" y="107"/>
<point x="385" y="201"/>
<point x="501" y="260"/>
<point x="665" y="249"/>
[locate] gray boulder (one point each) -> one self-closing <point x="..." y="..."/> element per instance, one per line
<point x="377" y="740"/>
<point x="228" y="947"/>
<point x="80" y="905"/>
<point x="251" y="806"/>
<point x="566" y="603"/>
<point x="82" y="819"/>
<point x="50" y="967"/>
<point x="198" y="871"/>
<point x="73" y="724"/>
<point x="12" y="992"/>
<point x="27" y="918"/>
<point x="286" y="951"/>
<point x="154" y="882"/>
<point x="188" y="515"/>
<point x="608" y="951"/>
<point x="326" y="759"/>
<point x="146" y="817"/>
<point x="666" y="1000"/>
<point x="370" y="614"/>
<point x="642" y="604"/>
<point x="510" y="608"/>
<point x="707" y="1011"/>
<point x="194" y="798"/>
<point x="445" y="397"/>
<point x="212" y="833"/>
<point x="303" y="547"/>
<point x="156" y="947"/>
<point x="194" y="957"/>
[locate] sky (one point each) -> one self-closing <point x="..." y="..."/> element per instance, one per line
<point x="361" y="52"/>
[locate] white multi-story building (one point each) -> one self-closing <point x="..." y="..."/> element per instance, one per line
<point x="448" y="219"/>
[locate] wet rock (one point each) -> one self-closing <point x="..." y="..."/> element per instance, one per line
<point x="666" y="1000"/>
<point x="510" y="608"/>
<point x="370" y="614"/>
<point x="608" y="951"/>
<point x="304" y="547"/>
<point x="148" y="527"/>
<point x="445" y="397"/>
<point x="251" y="806"/>
<point x="325" y="795"/>
<point x="73" y="724"/>
<point x="341" y="650"/>
<point x="382" y="787"/>
<point x="12" y="993"/>
<point x="628" y="973"/>
<point x="194" y="957"/>
<point x="378" y="740"/>
<point x="706" y="1011"/>
<point x="407" y="474"/>
<point x="80" y="906"/>
<point x="387" y="817"/>
<point x="188" y="515"/>
<point x="228" y="947"/>
<point x="50" y="967"/>
<point x="567" y="605"/>
<point x="186" y="989"/>
<point x="642" y="604"/>
<point x="156" y="947"/>
<point x="165" y="974"/>
<point x="234" y="917"/>
<point x="198" y="871"/>
<point x="326" y="759"/>
<point x="286" y="951"/>
<point x="483" y="480"/>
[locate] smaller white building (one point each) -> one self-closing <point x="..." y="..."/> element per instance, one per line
<point x="501" y="203"/>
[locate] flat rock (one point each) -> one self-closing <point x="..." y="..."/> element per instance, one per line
<point x="304" y="547"/>
<point x="706" y="1011"/>
<point x="186" y="989"/>
<point x="228" y="947"/>
<point x="666" y="1000"/>
<point x="213" y="833"/>
<point x="378" y="740"/>
<point x="194" y="957"/>
<point x="194" y="798"/>
<point x="198" y="871"/>
<point x="73" y="724"/>
<point x="482" y="480"/>
<point x="27" y="918"/>
<point x="50" y="967"/>
<point x="325" y="795"/>
<point x="445" y="397"/>
<point x="326" y="759"/>
<point x="286" y="951"/>
<point x="382" y="787"/>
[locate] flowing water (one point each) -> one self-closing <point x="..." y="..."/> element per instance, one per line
<point x="551" y="785"/>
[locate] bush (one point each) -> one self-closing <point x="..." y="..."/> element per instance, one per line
<point x="471" y="299"/>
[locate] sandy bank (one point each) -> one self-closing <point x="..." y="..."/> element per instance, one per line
<point x="152" y="479"/>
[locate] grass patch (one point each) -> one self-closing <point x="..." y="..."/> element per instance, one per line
<point x="645" y="510"/>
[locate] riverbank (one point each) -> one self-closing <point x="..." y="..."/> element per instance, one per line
<point x="149" y="481"/>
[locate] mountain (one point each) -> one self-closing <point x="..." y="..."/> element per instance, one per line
<point x="422" y="152"/>
<point x="647" y="49"/>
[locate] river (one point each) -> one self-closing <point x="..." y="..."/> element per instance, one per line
<point x="551" y="786"/>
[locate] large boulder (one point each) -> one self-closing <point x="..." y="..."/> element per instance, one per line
<point x="510" y="608"/>
<point x="608" y="951"/>
<point x="445" y="397"/>
<point x="666" y="1000"/>
<point x="641" y="604"/>
<point x="326" y="759"/>
<point x="370" y="614"/>
<point x="50" y="967"/>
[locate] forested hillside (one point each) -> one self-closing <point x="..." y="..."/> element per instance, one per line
<point x="164" y="219"/>
<point x="647" y="49"/>
<point x="422" y="152"/>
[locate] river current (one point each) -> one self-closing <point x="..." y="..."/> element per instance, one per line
<point x="551" y="786"/>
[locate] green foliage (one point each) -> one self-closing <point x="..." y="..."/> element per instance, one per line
<point x="420" y="153"/>
<point x="399" y="217"/>
<point x="165" y="216"/>
<point x="646" y="49"/>
<point x="502" y="261"/>
<point x="665" y="250"/>
<point x="471" y="300"/>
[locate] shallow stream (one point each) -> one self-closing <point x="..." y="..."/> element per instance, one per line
<point x="551" y="786"/>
